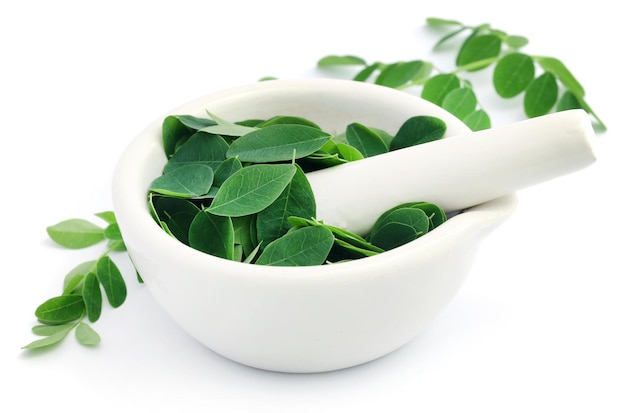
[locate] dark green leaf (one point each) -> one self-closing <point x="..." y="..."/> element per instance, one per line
<point x="541" y="95"/>
<point x="301" y="247"/>
<point x="365" y="140"/>
<point x="435" y="213"/>
<point x="92" y="297"/>
<point x="201" y="148"/>
<point x="86" y="335"/>
<point x="438" y="86"/>
<point x="173" y="132"/>
<point x="176" y="214"/>
<point x="568" y="101"/>
<point x="251" y="189"/>
<point x="460" y="102"/>
<point x="278" y="143"/>
<point x="75" y="233"/>
<point x="296" y="200"/>
<point x="512" y="74"/>
<point x="418" y="130"/>
<point x="478" y="48"/>
<point x="399" y="227"/>
<point x="111" y="280"/>
<point x="225" y="170"/>
<point x="212" y="234"/>
<point x="186" y="181"/>
<point x="61" y="309"/>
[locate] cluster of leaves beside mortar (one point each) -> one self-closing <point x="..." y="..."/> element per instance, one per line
<point x="545" y="82"/>
<point x="239" y="191"/>
<point x="81" y="295"/>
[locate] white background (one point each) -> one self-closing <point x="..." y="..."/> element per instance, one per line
<point x="539" y="325"/>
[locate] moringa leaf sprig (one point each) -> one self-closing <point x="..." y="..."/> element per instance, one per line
<point x="81" y="296"/>
<point x="545" y="82"/>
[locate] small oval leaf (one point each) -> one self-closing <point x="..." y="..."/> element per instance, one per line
<point x="251" y="189"/>
<point x="301" y="247"/>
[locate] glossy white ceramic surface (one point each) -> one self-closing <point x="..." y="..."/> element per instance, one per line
<point x="305" y="319"/>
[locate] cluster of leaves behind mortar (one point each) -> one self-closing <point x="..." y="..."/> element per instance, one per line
<point x="239" y="191"/>
<point x="82" y="287"/>
<point x="545" y="82"/>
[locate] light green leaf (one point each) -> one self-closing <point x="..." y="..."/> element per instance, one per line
<point x="49" y="340"/>
<point x="477" y="120"/>
<point x="86" y="335"/>
<point x="75" y="233"/>
<point x="460" y="102"/>
<point x="335" y="60"/>
<point x="438" y="86"/>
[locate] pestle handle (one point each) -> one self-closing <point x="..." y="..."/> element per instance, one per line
<point x="456" y="172"/>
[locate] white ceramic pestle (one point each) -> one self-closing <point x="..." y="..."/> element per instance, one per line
<point x="456" y="172"/>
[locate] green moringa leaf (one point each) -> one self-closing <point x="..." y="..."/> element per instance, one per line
<point x="399" y="227"/>
<point x="251" y="189"/>
<point x="477" y="120"/>
<point x="297" y="199"/>
<point x="438" y="86"/>
<point x="512" y="74"/>
<point x="202" y="148"/>
<point x="478" y="48"/>
<point x="365" y="140"/>
<point x="86" y="335"/>
<point x="278" y="142"/>
<point x="76" y="233"/>
<point x="541" y="95"/>
<point x="92" y="297"/>
<point x="212" y="234"/>
<point x="334" y="60"/>
<point x="61" y="309"/>
<point x="111" y="280"/>
<point x="301" y="247"/>
<point x="460" y="102"/>
<point x="187" y="181"/>
<point x="418" y="130"/>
